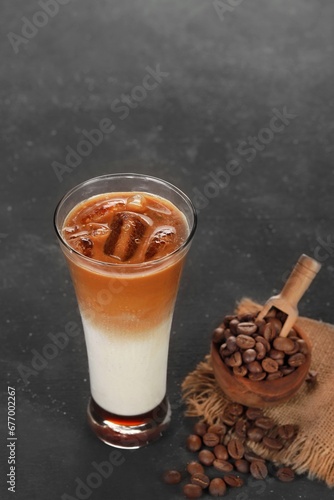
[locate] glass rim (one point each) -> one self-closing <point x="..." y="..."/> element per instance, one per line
<point x="114" y="265"/>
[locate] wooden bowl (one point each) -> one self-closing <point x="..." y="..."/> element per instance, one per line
<point x="259" y="394"/>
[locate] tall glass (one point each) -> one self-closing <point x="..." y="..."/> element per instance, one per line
<point x="126" y="311"/>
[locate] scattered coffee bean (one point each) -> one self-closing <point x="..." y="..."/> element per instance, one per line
<point x="235" y="409"/>
<point x="195" y="468"/>
<point x="217" y="429"/>
<point x="233" y="481"/>
<point x="221" y="452"/>
<point x="272" y="443"/>
<point x="285" y="474"/>
<point x="242" y="466"/>
<point x="286" y="432"/>
<point x="210" y="439"/>
<point x="192" y="491"/>
<point x="206" y="457"/>
<point x="194" y="442"/>
<point x="264" y="423"/>
<point x="241" y="429"/>
<point x="235" y="448"/>
<point x="250" y="456"/>
<point x="258" y="469"/>
<point x="172" y="477"/>
<point x="255" y="434"/>
<point x="200" y="428"/>
<point x="217" y="487"/>
<point x="201" y="479"/>
<point x="254" y="413"/>
<point x="222" y="465"/>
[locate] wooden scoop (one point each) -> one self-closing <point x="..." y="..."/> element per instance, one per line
<point x="298" y="282"/>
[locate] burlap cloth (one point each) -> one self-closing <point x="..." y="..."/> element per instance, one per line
<point x="312" y="409"/>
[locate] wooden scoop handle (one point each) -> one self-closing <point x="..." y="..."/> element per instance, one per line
<point x="300" y="279"/>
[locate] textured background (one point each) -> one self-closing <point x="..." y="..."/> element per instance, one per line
<point x="230" y="69"/>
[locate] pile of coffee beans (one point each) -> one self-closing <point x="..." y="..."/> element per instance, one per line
<point x="223" y="455"/>
<point x="253" y="348"/>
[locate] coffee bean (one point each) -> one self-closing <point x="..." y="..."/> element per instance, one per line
<point x="263" y="341"/>
<point x="222" y="465"/>
<point x="206" y="457"/>
<point x="269" y="332"/>
<point x="231" y="344"/>
<point x="228" y="318"/>
<point x="245" y="342"/>
<point x="269" y="365"/>
<point x="172" y="477"/>
<point x="246" y="317"/>
<point x="242" y="466"/>
<point x="257" y="377"/>
<point x="258" y="469"/>
<point x="287" y="370"/>
<point x="254" y="413"/>
<point x="276" y="323"/>
<point x="210" y="439"/>
<point x="255" y="434"/>
<point x="275" y="375"/>
<point x="260" y="351"/>
<point x="297" y="359"/>
<point x="285" y="474"/>
<point x="223" y="351"/>
<point x="233" y="481"/>
<point x="195" y="468"/>
<point x="194" y="442"/>
<point x="286" y="432"/>
<point x="218" y="335"/>
<point x="272" y="443"/>
<point x="233" y="326"/>
<point x="234" y="360"/>
<point x="284" y="344"/>
<point x="217" y="487"/>
<point x="240" y="371"/>
<point x="201" y="479"/>
<point x="265" y="423"/>
<point x="192" y="491"/>
<point x="249" y="355"/>
<point x="235" y="448"/>
<point x="302" y="346"/>
<point x="275" y="354"/>
<point x="220" y="452"/>
<point x="254" y="367"/>
<point x="246" y="328"/>
<point x="200" y="428"/>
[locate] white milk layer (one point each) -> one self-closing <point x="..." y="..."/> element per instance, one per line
<point x="128" y="372"/>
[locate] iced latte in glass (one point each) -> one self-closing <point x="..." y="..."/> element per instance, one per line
<point x="125" y="238"/>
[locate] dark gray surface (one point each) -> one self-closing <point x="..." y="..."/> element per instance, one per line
<point x="226" y="75"/>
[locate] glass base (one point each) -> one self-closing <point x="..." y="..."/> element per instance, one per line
<point x="128" y="432"/>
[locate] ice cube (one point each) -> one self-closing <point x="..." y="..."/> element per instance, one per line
<point x="161" y="243"/>
<point x="126" y="232"/>
<point x="136" y="203"/>
<point x="84" y="245"/>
